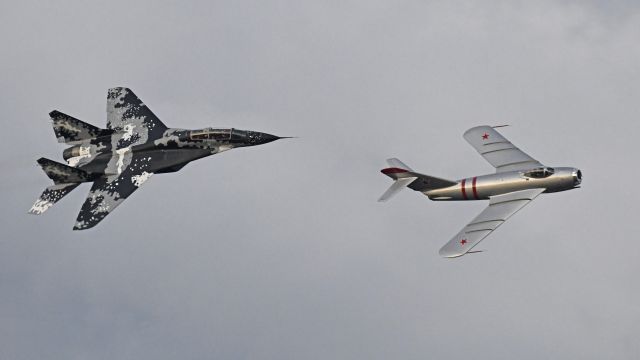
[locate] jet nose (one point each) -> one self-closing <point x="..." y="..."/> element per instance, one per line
<point x="258" y="138"/>
<point x="267" y="138"/>
<point x="577" y="177"/>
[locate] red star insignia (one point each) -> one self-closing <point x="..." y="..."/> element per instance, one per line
<point x="485" y="136"/>
<point x="463" y="241"/>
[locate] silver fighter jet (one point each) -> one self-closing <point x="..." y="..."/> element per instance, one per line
<point x="518" y="180"/>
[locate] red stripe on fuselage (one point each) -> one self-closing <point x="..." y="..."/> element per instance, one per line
<point x="475" y="192"/>
<point x="464" y="191"/>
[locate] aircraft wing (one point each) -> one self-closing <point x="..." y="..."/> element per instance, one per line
<point x="499" y="151"/>
<point x="501" y="207"/>
<point x="107" y="193"/>
<point x="133" y="121"/>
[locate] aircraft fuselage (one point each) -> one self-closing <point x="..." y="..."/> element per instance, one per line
<point x="171" y="152"/>
<point x="484" y="186"/>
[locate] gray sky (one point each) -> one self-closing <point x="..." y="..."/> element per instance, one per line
<point x="281" y="251"/>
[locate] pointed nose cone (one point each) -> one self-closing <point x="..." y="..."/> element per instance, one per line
<point x="267" y="138"/>
<point x="258" y="138"/>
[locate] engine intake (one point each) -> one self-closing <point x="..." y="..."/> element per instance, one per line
<point x="577" y="177"/>
<point x="76" y="151"/>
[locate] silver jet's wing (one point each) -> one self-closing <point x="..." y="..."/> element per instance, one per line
<point x="499" y="151"/>
<point x="500" y="208"/>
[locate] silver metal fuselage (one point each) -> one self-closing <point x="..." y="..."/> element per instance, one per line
<point x="482" y="187"/>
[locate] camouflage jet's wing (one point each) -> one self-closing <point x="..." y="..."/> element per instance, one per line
<point x="500" y="208"/>
<point x="131" y="118"/>
<point x="498" y="151"/>
<point x="133" y="124"/>
<point x="107" y="193"/>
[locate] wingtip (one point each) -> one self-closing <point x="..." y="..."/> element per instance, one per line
<point x="445" y="253"/>
<point x="82" y="226"/>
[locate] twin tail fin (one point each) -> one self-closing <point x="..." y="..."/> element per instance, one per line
<point x="73" y="131"/>
<point x="61" y="173"/>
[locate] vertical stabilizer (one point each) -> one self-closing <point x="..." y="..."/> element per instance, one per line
<point x="405" y="177"/>
<point x="73" y="131"/>
<point x="61" y="173"/>
<point x="396" y="187"/>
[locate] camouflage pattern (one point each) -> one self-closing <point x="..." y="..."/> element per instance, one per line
<point x="72" y="131"/>
<point x="126" y="113"/>
<point x="50" y="196"/>
<point x="106" y="194"/>
<point x="119" y="159"/>
<point x="62" y="174"/>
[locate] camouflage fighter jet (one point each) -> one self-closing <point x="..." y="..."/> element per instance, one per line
<point x="518" y="180"/>
<point x="120" y="158"/>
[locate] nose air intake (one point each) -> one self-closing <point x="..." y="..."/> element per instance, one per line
<point x="577" y="177"/>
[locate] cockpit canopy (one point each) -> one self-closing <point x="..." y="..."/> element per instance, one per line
<point x="211" y="134"/>
<point x="540" y="173"/>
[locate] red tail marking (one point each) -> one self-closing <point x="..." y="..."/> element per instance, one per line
<point x="464" y="191"/>
<point x="393" y="171"/>
<point x="475" y="192"/>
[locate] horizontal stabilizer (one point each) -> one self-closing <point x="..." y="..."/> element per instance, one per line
<point x="50" y="196"/>
<point x="73" y="131"/>
<point x="396" y="187"/>
<point x="61" y="173"/>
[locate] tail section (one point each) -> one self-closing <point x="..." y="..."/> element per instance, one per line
<point x="396" y="169"/>
<point x="396" y="187"/>
<point x="50" y="196"/>
<point x="73" y="131"/>
<point x="405" y="177"/>
<point x="66" y="178"/>
<point x="61" y="173"/>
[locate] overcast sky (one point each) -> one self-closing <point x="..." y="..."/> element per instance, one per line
<point x="281" y="251"/>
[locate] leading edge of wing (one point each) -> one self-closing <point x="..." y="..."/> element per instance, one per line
<point x="501" y="208"/>
<point x="128" y="114"/>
